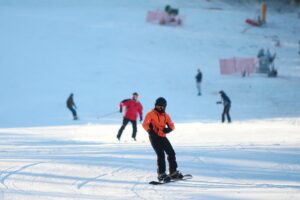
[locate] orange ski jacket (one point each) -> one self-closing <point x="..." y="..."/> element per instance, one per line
<point x="158" y="121"/>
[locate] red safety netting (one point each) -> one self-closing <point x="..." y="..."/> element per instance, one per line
<point x="238" y="65"/>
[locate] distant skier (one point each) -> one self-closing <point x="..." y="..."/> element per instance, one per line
<point x="133" y="108"/>
<point x="171" y="16"/>
<point x="227" y="104"/>
<point x="158" y="123"/>
<point x="198" y="81"/>
<point x="71" y="106"/>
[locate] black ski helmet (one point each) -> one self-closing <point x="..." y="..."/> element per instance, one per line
<point x="161" y="102"/>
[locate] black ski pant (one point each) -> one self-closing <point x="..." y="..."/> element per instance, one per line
<point x="73" y="111"/>
<point x="124" y="124"/>
<point x="161" y="145"/>
<point x="226" y="113"/>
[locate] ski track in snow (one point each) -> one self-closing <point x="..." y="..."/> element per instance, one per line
<point x="10" y="173"/>
<point x="79" y="185"/>
<point x="139" y="186"/>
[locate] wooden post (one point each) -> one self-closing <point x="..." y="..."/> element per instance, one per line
<point x="263" y="12"/>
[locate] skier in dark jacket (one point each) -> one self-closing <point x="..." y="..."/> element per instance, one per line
<point x="158" y="123"/>
<point x="198" y="81"/>
<point x="133" y="108"/>
<point x="227" y="104"/>
<point x="71" y="106"/>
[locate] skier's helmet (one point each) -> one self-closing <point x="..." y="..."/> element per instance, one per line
<point x="161" y="102"/>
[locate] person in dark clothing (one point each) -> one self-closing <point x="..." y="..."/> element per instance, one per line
<point x="133" y="108"/>
<point x="171" y="11"/>
<point x="227" y="104"/>
<point x="71" y="106"/>
<point x="158" y="123"/>
<point x="198" y="81"/>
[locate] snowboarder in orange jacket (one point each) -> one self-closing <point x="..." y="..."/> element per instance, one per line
<point x="158" y="123"/>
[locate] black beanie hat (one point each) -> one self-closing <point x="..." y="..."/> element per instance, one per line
<point x="161" y="102"/>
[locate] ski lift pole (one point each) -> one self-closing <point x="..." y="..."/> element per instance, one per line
<point x="107" y="114"/>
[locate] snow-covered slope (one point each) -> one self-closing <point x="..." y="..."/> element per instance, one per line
<point x="102" y="51"/>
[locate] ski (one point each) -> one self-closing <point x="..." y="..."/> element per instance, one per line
<point x="185" y="177"/>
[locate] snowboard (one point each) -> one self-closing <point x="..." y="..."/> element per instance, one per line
<point x="185" y="177"/>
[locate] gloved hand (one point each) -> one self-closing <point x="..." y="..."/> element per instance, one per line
<point x="167" y="130"/>
<point x="218" y="102"/>
<point x="151" y="132"/>
<point x="120" y="110"/>
<point x="141" y="118"/>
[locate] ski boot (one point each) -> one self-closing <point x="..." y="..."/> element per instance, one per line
<point x="176" y="175"/>
<point x="164" y="178"/>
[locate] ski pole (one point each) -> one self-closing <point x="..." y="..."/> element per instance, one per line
<point x="108" y="114"/>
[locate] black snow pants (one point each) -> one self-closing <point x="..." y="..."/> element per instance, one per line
<point x="226" y="113"/>
<point x="125" y="122"/>
<point x="73" y="111"/>
<point x="161" y="145"/>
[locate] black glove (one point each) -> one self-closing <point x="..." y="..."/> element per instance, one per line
<point x="141" y="118"/>
<point x="218" y="102"/>
<point x="120" y="110"/>
<point x="167" y="130"/>
<point x="151" y="132"/>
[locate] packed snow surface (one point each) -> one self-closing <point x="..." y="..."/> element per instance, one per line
<point x="103" y="51"/>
